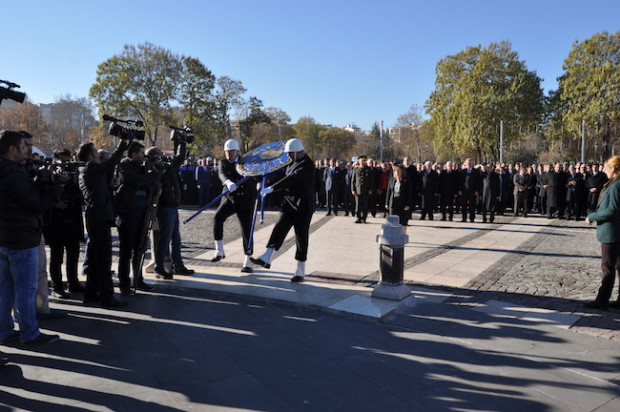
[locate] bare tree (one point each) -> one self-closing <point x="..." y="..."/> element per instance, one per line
<point x="413" y="120"/>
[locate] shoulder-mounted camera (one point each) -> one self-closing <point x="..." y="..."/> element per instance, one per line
<point x="7" y="93"/>
<point x="125" y="129"/>
<point x="178" y="134"/>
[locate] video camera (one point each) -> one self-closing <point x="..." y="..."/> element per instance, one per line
<point x="49" y="171"/>
<point x="130" y="130"/>
<point x="181" y="134"/>
<point x="7" y="93"/>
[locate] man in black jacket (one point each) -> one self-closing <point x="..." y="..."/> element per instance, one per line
<point x="94" y="184"/>
<point x="429" y="191"/>
<point x="469" y="188"/>
<point x="594" y="182"/>
<point x="22" y="202"/>
<point x="239" y="200"/>
<point x="448" y="187"/>
<point x="168" y="211"/>
<point x="65" y="231"/>
<point x="130" y="203"/>
<point x="297" y="208"/>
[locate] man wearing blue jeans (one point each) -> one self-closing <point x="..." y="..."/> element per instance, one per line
<point x="168" y="213"/>
<point x="22" y="202"/>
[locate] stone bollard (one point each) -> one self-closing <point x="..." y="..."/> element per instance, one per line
<point x="392" y="256"/>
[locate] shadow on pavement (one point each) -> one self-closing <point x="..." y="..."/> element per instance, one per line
<point x="182" y="350"/>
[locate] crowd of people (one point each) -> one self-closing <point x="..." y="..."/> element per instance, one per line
<point x="133" y="188"/>
<point x="445" y="189"/>
<point x="50" y="201"/>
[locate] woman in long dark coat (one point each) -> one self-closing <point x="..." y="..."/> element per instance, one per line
<point x="607" y="218"/>
<point x="398" y="196"/>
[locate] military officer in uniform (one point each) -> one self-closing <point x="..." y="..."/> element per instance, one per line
<point x="361" y="188"/>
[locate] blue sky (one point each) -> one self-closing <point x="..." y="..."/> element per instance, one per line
<point x="337" y="61"/>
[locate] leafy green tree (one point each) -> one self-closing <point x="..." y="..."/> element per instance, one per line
<point x="307" y="130"/>
<point x="476" y="89"/>
<point x="198" y="100"/>
<point x="589" y="89"/>
<point x="370" y="143"/>
<point x="139" y="83"/>
<point x="336" y="143"/>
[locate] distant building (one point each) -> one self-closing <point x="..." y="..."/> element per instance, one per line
<point x="353" y="128"/>
<point x="399" y="134"/>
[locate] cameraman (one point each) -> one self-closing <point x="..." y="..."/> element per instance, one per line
<point x="167" y="211"/>
<point x="94" y="184"/>
<point x="22" y="201"/>
<point x="130" y="203"/>
<point x="66" y="229"/>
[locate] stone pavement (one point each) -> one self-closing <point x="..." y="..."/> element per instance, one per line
<point x="494" y="322"/>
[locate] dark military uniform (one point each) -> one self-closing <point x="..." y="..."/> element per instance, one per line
<point x="240" y="201"/>
<point x="297" y="206"/>
<point x="362" y="184"/>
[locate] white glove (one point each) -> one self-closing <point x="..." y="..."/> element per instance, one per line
<point x="230" y="185"/>
<point x="265" y="191"/>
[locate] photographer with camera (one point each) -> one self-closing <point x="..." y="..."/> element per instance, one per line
<point x="168" y="205"/>
<point x="130" y="203"/>
<point x="66" y="229"/>
<point x="94" y="184"/>
<point x="41" y="171"/>
<point x="22" y="203"/>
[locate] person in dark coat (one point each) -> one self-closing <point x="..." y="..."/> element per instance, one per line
<point x="594" y="184"/>
<point x="361" y="187"/>
<point x="562" y="176"/>
<point x="469" y="188"/>
<point x="532" y="198"/>
<point x="551" y="185"/>
<point x="169" y="239"/>
<point x="130" y="204"/>
<point x="490" y="193"/>
<point x="319" y="184"/>
<point x="333" y="179"/>
<point x="411" y="173"/>
<point x="448" y="188"/>
<point x="239" y="200"/>
<point x="505" y="183"/>
<point x="398" y="196"/>
<point x="429" y="191"/>
<point x="203" y="179"/>
<point x="65" y="231"/>
<point x="22" y="204"/>
<point x="607" y="218"/>
<point x="542" y="191"/>
<point x="373" y="199"/>
<point x="94" y="184"/>
<point x="347" y="196"/>
<point x="523" y="184"/>
<point x="297" y="208"/>
<point x="575" y="187"/>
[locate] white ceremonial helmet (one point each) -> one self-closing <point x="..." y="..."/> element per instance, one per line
<point x="231" y="144"/>
<point x="293" y="145"/>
